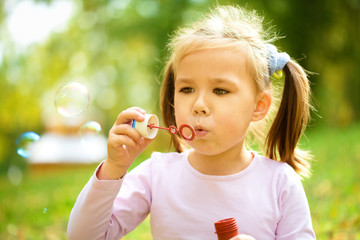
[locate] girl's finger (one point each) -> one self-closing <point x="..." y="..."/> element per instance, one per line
<point x="144" y="142"/>
<point x="126" y="116"/>
<point x="138" y="109"/>
<point x="117" y="141"/>
<point x="242" y="237"/>
<point x="124" y="129"/>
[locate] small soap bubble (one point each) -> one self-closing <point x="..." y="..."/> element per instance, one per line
<point x="90" y="128"/>
<point x="90" y="134"/>
<point x="72" y="99"/>
<point x="45" y="211"/>
<point x="12" y="229"/>
<point x="15" y="175"/>
<point x="25" y="143"/>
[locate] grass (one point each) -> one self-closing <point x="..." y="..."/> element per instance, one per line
<point x="39" y="206"/>
<point x="334" y="189"/>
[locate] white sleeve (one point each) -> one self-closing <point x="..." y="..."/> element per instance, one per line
<point x="109" y="209"/>
<point x="295" y="222"/>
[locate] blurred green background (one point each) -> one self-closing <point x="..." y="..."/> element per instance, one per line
<point x="116" y="49"/>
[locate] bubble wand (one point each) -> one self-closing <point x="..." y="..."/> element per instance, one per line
<point x="173" y="130"/>
<point x="150" y="126"/>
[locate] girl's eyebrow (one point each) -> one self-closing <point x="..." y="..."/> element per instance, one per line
<point x="214" y="80"/>
<point x="221" y="80"/>
<point x="227" y="81"/>
<point x="231" y="83"/>
<point x="183" y="80"/>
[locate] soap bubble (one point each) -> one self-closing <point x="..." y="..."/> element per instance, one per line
<point x="90" y="128"/>
<point x="15" y="175"/>
<point x="90" y="134"/>
<point x="72" y="99"/>
<point x="25" y="143"/>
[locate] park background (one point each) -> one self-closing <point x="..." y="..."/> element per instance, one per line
<point x="116" y="49"/>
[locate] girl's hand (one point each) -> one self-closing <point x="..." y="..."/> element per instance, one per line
<point x="242" y="237"/>
<point x="124" y="144"/>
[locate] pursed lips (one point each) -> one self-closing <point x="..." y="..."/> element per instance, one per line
<point x="200" y="131"/>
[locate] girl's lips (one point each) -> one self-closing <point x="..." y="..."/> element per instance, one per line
<point x="200" y="132"/>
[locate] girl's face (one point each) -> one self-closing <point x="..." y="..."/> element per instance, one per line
<point x="215" y="94"/>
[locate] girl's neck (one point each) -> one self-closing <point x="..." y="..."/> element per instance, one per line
<point x="226" y="163"/>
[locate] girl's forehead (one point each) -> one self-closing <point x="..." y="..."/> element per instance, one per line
<point x="209" y="55"/>
<point x="190" y="48"/>
<point x="215" y="65"/>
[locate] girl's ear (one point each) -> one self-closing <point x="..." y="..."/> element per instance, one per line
<point x="262" y="106"/>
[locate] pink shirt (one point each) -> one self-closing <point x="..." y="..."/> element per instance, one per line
<point x="267" y="200"/>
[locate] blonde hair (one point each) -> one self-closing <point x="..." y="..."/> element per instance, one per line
<point x="236" y="28"/>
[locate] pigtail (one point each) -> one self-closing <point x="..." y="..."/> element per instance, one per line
<point x="167" y="104"/>
<point x="291" y="121"/>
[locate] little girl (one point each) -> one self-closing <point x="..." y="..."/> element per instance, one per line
<point x="219" y="79"/>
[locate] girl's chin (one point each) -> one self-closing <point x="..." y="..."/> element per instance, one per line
<point x="201" y="149"/>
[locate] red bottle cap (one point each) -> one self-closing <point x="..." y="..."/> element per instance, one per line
<point x="226" y="228"/>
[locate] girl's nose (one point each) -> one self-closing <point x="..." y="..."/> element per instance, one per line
<point x="200" y="108"/>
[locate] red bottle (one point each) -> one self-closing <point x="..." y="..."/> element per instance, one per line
<point x="226" y="228"/>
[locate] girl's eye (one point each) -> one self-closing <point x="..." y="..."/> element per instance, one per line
<point x="219" y="91"/>
<point x="187" y="90"/>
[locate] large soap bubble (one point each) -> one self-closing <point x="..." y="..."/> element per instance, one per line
<point x="25" y="143"/>
<point x="72" y="99"/>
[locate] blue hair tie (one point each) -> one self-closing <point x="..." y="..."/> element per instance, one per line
<point x="277" y="61"/>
